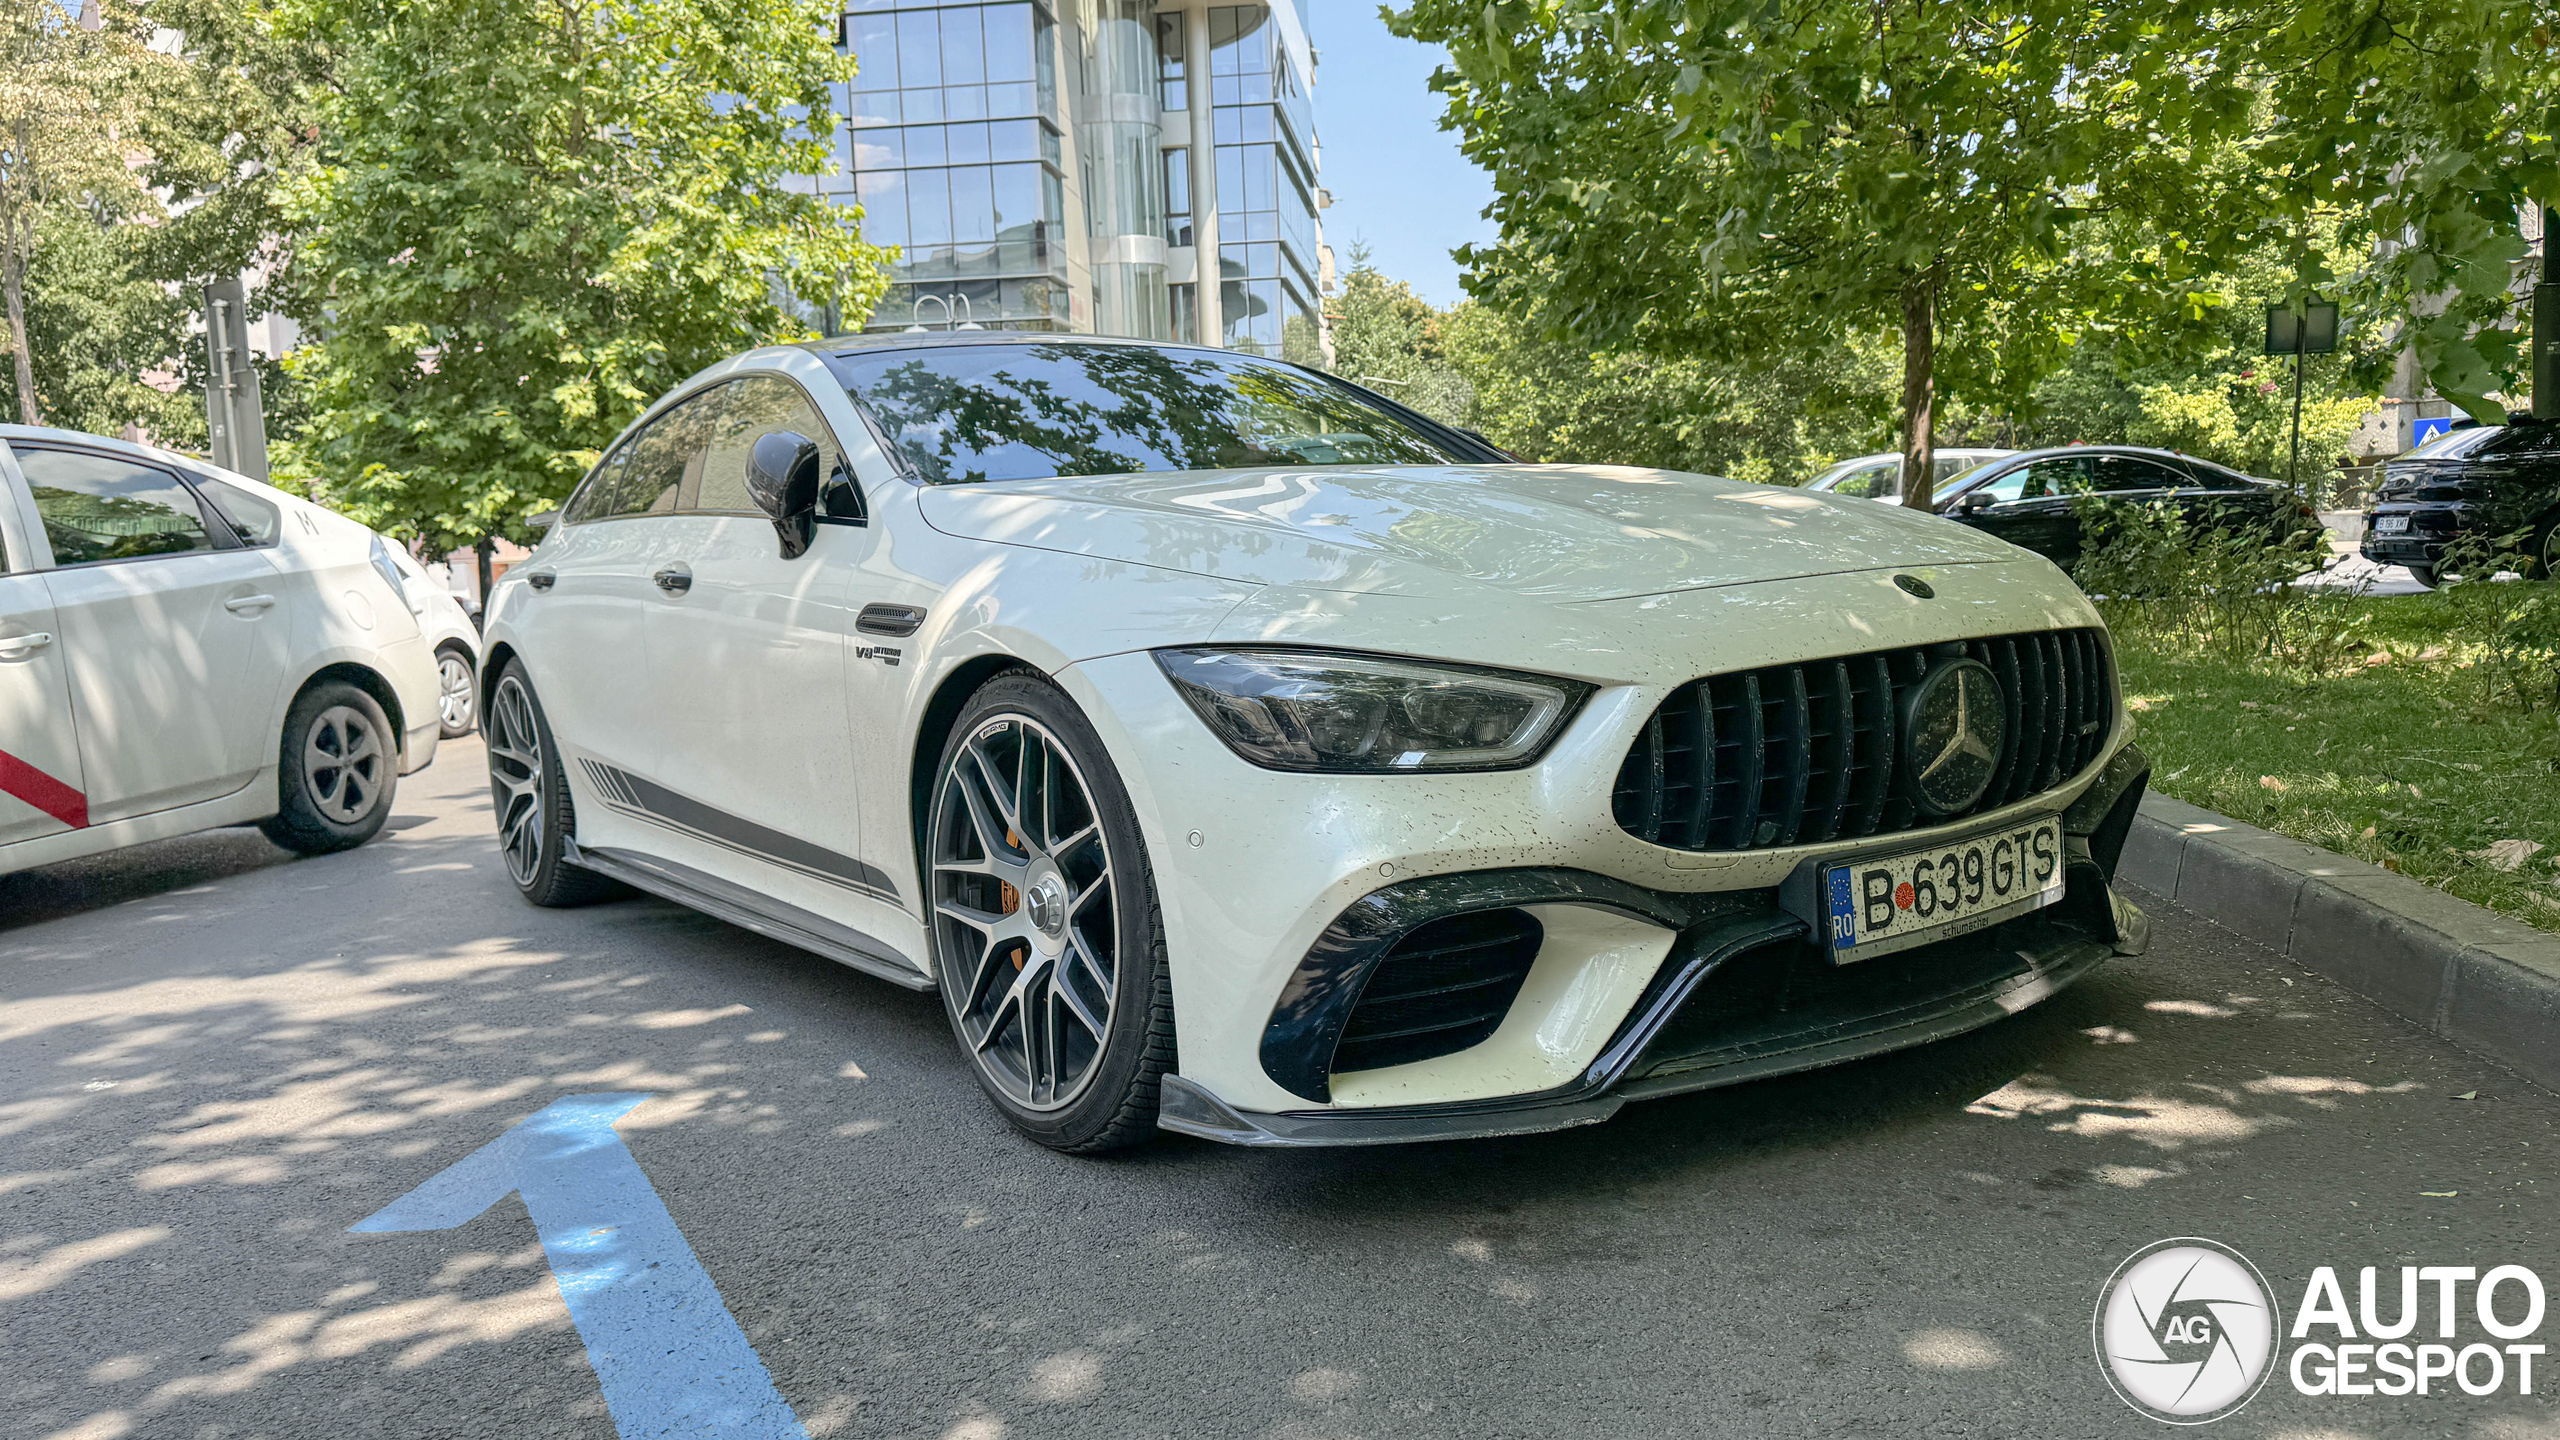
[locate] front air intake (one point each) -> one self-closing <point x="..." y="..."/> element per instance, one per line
<point x="1443" y="987"/>
<point x="1807" y="753"/>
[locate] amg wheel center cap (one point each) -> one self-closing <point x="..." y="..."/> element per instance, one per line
<point x="1046" y="902"/>
<point x="1953" y="728"/>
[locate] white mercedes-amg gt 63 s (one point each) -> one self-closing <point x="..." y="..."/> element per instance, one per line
<point x="1240" y="753"/>
<point x="182" y="648"/>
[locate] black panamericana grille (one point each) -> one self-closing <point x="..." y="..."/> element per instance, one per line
<point x="1806" y="753"/>
<point x="1443" y="987"/>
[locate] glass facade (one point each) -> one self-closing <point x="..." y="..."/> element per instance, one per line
<point x="1048" y="165"/>
<point x="1264" y="127"/>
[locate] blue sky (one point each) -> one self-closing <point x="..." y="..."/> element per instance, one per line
<point x="1397" y="179"/>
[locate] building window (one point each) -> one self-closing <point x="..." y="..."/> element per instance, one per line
<point x="1171" y="51"/>
<point x="1186" y="314"/>
<point x="1177" y="197"/>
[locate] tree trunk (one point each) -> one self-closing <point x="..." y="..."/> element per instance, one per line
<point x="1919" y="388"/>
<point x="14" y="288"/>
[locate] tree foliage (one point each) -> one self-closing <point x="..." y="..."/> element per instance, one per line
<point x="1995" y="186"/>
<point x="532" y="217"/>
<point x="1741" y="180"/>
<point x="69" y="95"/>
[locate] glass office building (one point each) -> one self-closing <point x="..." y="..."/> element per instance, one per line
<point x="1116" y="167"/>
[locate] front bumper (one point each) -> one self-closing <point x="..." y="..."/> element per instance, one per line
<point x="1740" y="995"/>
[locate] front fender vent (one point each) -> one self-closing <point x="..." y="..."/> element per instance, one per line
<point x="1443" y="987"/>
<point x="1807" y="753"/>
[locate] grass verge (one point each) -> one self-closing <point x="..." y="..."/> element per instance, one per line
<point x="2417" y="761"/>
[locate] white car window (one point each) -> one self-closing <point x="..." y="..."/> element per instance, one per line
<point x="105" y="507"/>
<point x="1869" y="481"/>
<point x="752" y="408"/>
<point x="651" y="469"/>
<point x="255" y="521"/>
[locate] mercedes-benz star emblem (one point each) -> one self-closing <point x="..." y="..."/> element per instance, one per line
<point x="1048" y="906"/>
<point x="1952" y="731"/>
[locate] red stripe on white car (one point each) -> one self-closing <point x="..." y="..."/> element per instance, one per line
<point x="47" y="794"/>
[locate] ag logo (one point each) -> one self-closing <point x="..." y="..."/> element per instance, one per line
<point x="2185" y="1331"/>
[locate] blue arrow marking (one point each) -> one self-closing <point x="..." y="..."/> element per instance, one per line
<point x="672" y="1361"/>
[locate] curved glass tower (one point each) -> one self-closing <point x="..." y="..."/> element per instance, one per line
<point x="1116" y="167"/>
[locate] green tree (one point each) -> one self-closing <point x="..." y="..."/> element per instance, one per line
<point x="531" y="217"/>
<point x="1391" y="340"/>
<point x="69" y="94"/>
<point x="97" y="321"/>
<point x="1739" y="180"/>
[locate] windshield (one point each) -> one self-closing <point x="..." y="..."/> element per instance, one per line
<point x="968" y="414"/>
<point x="2454" y="444"/>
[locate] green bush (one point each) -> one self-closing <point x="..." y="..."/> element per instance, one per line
<point x="2204" y="585"/>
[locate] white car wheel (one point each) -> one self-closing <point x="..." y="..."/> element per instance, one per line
<point x="338" y="763"/>
<point x="530" y="793"/>
<point x="457" y="693"/>
<point x="1044" y="925"/>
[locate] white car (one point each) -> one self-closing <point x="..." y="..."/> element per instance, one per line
<point x="454" y="640"/>
<point x="182" y="648"/>
<point x="1879" y="477"/>
<point x="1240" y="753"/>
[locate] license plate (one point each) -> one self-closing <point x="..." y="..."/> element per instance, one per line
<point x="1893" y="901"/>
<point x="2391" y="525"/>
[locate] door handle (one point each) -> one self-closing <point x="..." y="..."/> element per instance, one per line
<point x="541" y="579"/>
<point x="247" y="603"/>
<point x="19" y="647"/>
<point x="675" y="579"/>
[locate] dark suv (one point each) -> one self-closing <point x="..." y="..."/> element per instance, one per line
<point x="2481" y="483"/>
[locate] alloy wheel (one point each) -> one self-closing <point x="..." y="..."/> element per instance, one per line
<point x="454" y="700"/>
<point x="342" y="764"/>
<point x="1026" y="914"/>
<point x="516" y="773"/>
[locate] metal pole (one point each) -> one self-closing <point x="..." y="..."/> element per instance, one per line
<point x="2301" y="338"/>
<point x="2546" y="332"/>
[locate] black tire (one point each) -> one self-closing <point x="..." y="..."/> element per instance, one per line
<point x="2424" y="575"/>
<point x="529" y="789"/>
<point x="1077" y="832"/>
<point x="457" y="710"/>
<point x="2543" y="554"/>
<point x="337" y="766"/>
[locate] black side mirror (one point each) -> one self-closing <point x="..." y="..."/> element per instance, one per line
<point x="782" y="475"/>
<point x="1976" y="502"/>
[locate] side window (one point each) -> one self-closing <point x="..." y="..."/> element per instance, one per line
<point x="105" y="507"/>
<point x="2132" y="472"/>
<point x="255" y="521"/>
<point x="645" y="475"/>
<point x="1869" y="481"/>
<point x="752" y="408"/>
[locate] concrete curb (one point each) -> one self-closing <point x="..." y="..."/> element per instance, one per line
<point x="2468" y="974"/>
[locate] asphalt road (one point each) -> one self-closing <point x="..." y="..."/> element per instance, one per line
<point x="215" y="1058"/>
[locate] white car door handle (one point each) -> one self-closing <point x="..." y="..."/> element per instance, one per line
<point x="247" y="603"/>
<point x="19" y="647"/>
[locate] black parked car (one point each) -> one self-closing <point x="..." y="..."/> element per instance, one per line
<point x="2484" y="483"/>
<point x="2026" y="498"/>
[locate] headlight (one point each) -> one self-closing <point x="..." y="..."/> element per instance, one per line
<point x="390" y="574"/>
<point x="1354" y="714"/>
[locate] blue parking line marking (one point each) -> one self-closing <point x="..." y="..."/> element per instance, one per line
<point x="671" y="1359"/>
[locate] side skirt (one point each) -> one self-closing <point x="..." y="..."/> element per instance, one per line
<point x="750" y="911"/>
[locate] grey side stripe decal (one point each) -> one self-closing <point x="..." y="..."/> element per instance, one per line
<point x="650" y="800"/>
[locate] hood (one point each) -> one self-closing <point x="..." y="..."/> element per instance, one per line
<point x="1558" y="533"/>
